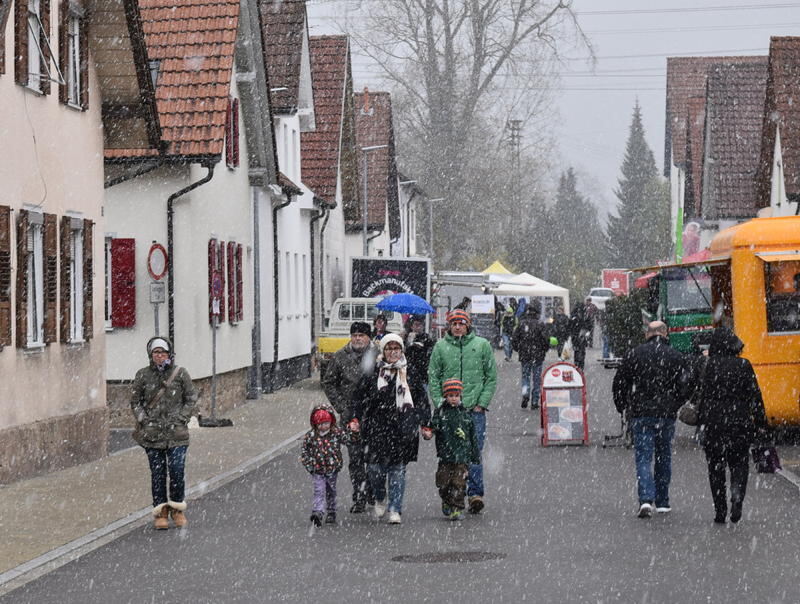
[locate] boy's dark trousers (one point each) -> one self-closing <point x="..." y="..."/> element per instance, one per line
<point x="451" y="480"/>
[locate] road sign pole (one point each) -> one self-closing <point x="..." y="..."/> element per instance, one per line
<point x="155" y="318"/>
<point x="214" y="322"/>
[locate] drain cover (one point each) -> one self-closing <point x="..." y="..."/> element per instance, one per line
<point x="449" y="557"/>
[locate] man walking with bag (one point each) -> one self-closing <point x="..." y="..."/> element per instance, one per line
<point x="651" y="384"/>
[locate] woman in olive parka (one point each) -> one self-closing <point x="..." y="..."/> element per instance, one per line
<point x="162" y="401"/>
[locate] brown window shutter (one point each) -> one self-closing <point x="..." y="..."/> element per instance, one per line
<point x="65" y="299"/>
<point x="5" y="275"/>
<point x="46" y="58"/>
<point x="212" y="266"/>
<point x="21" y="52"/>
<point x="239" y="284"/>
<point x="221" y="269"/>
<point x="235" y="132"/>
<point x="3" y="38"/>
<point x="63" y="60"/>
<point x="123" y="282"/>
<point x="50" y="278"/>
<point x="231" y="282"/>
<point x="84" y="58"/>
<point x="88" y="279"/>
<point x="22" y="279"/>
<point x="229" y="134"/>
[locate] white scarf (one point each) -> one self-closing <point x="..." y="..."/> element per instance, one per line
<point x="387" y="371"/>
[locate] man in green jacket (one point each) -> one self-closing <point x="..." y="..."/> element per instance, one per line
<point x="463" y="355"/>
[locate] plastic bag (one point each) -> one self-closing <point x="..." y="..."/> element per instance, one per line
<point x="567" y="353"/>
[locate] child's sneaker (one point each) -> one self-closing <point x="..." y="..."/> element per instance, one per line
<point x="457" y="515"/>
<point x="316" y="518"/>
<point x="330" y="518"/>
<point x="446" y="510"/>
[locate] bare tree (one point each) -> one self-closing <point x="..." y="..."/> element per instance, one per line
<point x="458" y="70"/>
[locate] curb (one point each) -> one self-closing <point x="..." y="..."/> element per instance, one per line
<point x="41" y="565"/>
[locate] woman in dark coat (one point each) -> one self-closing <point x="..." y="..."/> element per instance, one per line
<point x="730" y="412"/>
<point x="390" y="409"/>
<point x="417" y="347"/>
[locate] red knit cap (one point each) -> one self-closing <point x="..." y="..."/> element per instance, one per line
<point x="320" y="416"/>
<point x="452" y="385"/>
<point x="459" y="315"/>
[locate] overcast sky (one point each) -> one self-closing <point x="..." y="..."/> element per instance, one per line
<point x="631" y="40"/>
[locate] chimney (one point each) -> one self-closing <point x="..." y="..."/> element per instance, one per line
<point x="365" y="108"/>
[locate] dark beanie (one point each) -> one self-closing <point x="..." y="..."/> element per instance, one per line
<point x="360" y="327"/>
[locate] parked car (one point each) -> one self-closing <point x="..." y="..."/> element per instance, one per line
<point x="599" y="296"/>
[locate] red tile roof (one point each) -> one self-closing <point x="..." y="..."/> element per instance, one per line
<point x="323" y="149"/>
<point x="283" y="26"/>
<point x="695" y="140"/>
<point x="373" y="112"/>
<point x="782" y="111"/>
<point x="686" y="77"/>
<point x="194" y="41"/>
<point x="735" y="112"/>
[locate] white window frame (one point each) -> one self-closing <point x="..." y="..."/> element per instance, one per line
<point x="73" y="75"/>
<point x="34" y="45"/>
<point x="76" y="281"/>
<point x="35" y="269"/>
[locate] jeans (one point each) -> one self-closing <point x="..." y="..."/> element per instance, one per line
<point x="475" y="478"/>
<point x="531" y="380"/>
<point x="652" y="441"/>
<point x="324" y="493"/>
<point x="397" y="484"/>
<point x="606" y="347"/>
<point x="167" y="461"/>
<point x="507" y="345"/>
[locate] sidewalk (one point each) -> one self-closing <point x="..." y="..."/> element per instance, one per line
<point x="50" y="520"/>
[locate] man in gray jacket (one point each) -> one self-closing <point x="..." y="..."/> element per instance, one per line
<point x="339" y="383"/>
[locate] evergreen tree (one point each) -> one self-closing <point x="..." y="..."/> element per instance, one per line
<point x="639" y="233"/>
<point x="576" y="243"/>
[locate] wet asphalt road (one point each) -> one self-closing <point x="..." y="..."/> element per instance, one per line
<point x="559" y="525"/>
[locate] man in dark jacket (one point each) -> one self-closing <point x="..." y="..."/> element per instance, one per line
<point x="650" y="386"/>
<point x="418" y="347"/>
<point x="531" y="342"/>
<point x="581" y="325"/>
<point x="561" y="328"/>
<point x="342" y="375"/>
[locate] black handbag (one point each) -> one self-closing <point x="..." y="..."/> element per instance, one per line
<point x="688" y="413"/>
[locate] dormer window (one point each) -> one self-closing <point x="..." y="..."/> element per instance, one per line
<point x="154" y="67"/>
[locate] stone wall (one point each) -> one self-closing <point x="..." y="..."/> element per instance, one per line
<point x="53" y="444"/>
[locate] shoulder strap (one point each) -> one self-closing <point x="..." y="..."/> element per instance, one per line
<point x="158" y="395"/>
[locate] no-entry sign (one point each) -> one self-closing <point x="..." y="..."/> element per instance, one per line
<point x="157" y="261"/>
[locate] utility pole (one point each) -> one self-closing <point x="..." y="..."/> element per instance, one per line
<point x="515" y="136"/>
<point x="430" y="225"/>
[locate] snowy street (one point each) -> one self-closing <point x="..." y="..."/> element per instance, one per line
<point x="559" y="524"/>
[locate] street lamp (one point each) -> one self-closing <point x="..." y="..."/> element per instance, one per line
<point x="364" y="241"/>
<point x="430" y="223"/>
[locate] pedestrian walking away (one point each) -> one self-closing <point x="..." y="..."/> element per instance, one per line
<point x="390" y="410"/>
<point x="348" y="365"/>
<point x="456" y="448"/>
<point x="462" y="354"/>
<point x="531" y="343"/>
<point x="581" y="325"/>
<point x="561" y="328"/>
<point x="418" y="348"/>
<point x="321" y="456"/>
<point x="731" y="417"/>
<point x="507" y="327"/>
<point x="163" y="398"/>
<point x="651" y="384"/>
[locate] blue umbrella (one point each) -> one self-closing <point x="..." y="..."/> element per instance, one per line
<point x="405" y="303"/>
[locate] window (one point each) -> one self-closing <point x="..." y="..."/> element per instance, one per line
<point x="782" y="280"/>
<point x="5" y="7"/>
<point x="72" y="62"/>
<point x="235" y="284"/>
<point x="37" y="281"/>
<point x="5" y="273"/>
<point x="32" y="49"/>
<point x="120" y="282"/>
<point x="72" y="286"/>
<point x="305" y="285"/>
<point x="296" y="288"/>
<point x="232" y="134"/>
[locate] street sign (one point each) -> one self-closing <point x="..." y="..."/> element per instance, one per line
<point x="563" y="406"/>
<point x="216" y="291"/>
<point x="157" y="261"/>
<point x="158" y="292"/>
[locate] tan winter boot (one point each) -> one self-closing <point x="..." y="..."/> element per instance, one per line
<point x="161" y="513"/>
<point x="176" y="511"/>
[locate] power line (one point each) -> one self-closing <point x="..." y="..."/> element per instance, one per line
<point x="600" y="32"/>
<point x="691" y="9"/>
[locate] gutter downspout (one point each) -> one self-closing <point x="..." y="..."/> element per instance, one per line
<point x="171" y="247"/>
<point x="313" y="268"/>
<point x="255" y="382"/>
<point x="377" y="234"/>
<point x="322" y="270"/>
<point x="276" y="292"/>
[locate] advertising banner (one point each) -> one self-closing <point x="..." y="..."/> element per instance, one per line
<point x="382" y="276"/>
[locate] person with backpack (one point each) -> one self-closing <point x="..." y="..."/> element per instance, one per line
<point x="531" y="343"/>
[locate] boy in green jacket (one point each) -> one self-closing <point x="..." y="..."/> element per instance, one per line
<point x="456" y="448"/>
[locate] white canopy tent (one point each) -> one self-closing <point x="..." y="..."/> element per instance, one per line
<point x="529" y="286"/>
